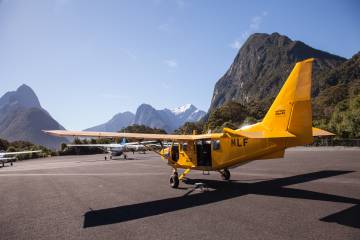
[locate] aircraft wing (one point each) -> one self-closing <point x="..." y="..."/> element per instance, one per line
<point x="90" y="145"/>
<point x="7" y="158"/>
<point x="140" y="143"/>
<point x="62" y="133"/>
<point x="18" y="153"/>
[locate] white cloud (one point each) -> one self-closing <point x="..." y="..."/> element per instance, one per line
<point x="164" y="27"/>
<point x="236" y="44"/>
<point x="171" y="63"/>
<point x="254" y="25"/>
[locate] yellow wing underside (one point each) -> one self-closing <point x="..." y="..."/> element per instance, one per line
<point x="255" y="135"/>
<point x="63" y="133"/>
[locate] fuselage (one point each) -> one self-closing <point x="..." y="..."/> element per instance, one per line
<point x="227" y="150"/>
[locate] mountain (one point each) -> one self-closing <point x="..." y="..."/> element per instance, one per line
<point x="188" y="113"/>
<point x="244" y="93"/>
<point x="261" y="67"/>
<point x="166" y="119"/>
<point x="116" y="123"/>
<point x="23" y="118"/>
<point x="149" y="116"/>
<point x="338" y="84"/>
<point x="23" y="96"/>
<point x="337" y="106"/>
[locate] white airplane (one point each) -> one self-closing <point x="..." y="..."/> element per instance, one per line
<point x="6" y="157"/>
<point x="118" y="149"/>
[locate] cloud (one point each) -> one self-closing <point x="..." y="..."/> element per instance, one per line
<point x="254" y="25"/>
<point x="171" y="63"/>
<point x="236" y="44"/>
<point x="164" y="27"/>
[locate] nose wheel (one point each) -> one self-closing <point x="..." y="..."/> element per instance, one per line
<point x="174" y="180"/>
<point x="225" y="174"/>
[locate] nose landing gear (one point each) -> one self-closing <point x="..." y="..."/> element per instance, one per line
<point x="174" y="180"/>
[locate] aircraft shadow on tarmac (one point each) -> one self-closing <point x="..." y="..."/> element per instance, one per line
<point x="226" y="190"/>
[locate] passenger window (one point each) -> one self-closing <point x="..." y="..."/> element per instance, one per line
<point x="216" y="145"/>
<point x="184" y="147"/>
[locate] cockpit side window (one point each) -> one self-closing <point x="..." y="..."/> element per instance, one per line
<point x="184" y="147"/>
<point x="216" y="144"/>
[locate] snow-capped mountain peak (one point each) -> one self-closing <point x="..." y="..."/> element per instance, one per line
<point x="182" y="109"/>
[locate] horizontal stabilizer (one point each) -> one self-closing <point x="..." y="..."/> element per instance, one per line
<point x="317" y="132"/>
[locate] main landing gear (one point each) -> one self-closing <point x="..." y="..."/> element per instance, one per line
<point x="225" y="174"/>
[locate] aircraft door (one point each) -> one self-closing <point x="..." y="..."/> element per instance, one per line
<point x="203" y="153"/>
<point x="175" y="152"/>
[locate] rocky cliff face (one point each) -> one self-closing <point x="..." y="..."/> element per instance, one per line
<point x="23" y="118"/>
<point x="23" y="96"/>
<point x="263" y="64"/>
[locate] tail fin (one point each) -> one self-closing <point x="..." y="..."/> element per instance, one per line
<point x="291" y="110"/>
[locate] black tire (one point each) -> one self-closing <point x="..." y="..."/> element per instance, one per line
<point x="225" y="174"/>
<point x="174" y="181"/>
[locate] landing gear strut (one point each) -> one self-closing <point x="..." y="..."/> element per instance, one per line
<point x="174" y="180"/>
<point x="225" y="174"/>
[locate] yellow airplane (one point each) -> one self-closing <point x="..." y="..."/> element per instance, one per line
<point x="288" y="123"/>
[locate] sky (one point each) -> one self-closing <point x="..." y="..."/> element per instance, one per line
<point x="88" y="60"/>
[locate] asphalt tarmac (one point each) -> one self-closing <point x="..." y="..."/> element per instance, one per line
<point x="310" y="194"/>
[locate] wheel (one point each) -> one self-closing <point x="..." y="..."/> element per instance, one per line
<point x="225" y="174"/>
<point x="110" y="157"/>
<point x="105" y="158"/>
<point x="174" y="181"/>
<point x="125" y="156"/>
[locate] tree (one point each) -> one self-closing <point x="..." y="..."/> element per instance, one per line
<point x="232" y="113"/>
<point x="190" y="127"/>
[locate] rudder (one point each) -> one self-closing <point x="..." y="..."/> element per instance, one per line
<point x="291" y="110"/>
